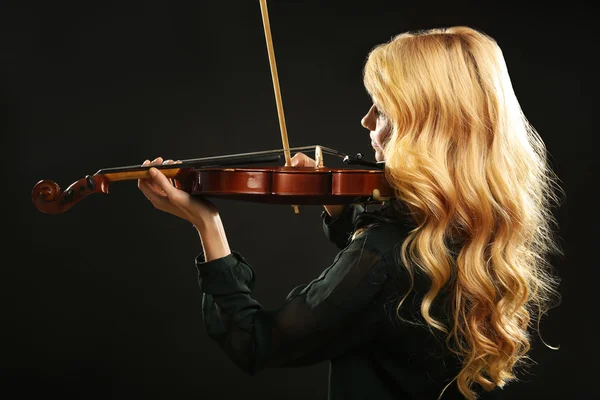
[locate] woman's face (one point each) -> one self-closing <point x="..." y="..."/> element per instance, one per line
<point x="379" y="128"/>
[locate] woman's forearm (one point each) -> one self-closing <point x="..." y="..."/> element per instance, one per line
<point x="213" y="237"/>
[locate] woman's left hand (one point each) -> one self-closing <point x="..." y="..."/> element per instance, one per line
<point x="166" y="197"/>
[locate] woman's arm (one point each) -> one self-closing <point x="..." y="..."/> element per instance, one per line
<point x="334" y="313"/>
<point x="212" y="236"/>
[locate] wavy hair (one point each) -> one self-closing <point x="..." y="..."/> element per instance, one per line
<point x="472" y="171"/>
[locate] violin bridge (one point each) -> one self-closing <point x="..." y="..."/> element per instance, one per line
<point x="319" y="157"/>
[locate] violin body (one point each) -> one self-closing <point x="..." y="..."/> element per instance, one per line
<point x="293" y="185"/>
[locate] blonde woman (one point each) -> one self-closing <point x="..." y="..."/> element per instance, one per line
<point x="436" y="293"/>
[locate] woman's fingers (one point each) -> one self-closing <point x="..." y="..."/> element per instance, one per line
<point x="140" y="181"/>
<point x="158" y="186"/>
<point x="302" y="160"/>
<point x="168" y="162"/>
<point x="297" y="160"/>
<point x="162" y="193"/>
<point x="151" y="190"/>
<point x="149" y="186"/>
<point x="163" y="182"/>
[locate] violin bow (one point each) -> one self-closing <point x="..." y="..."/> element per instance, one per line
<point x="278" y="101"/>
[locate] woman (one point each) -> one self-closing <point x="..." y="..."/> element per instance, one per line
<point x="436" y="293"/>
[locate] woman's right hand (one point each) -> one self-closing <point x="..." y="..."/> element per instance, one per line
<point x="302" y="160"/>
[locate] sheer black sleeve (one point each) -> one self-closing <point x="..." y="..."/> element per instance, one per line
<point x="317" y="322"/>
<point x="338" y="230"/>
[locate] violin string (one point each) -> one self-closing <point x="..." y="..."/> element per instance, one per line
<point x="229" y="157"/>
<point x="327" y="150"/>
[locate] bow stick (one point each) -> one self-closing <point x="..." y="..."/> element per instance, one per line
<point x="275" y="77"/>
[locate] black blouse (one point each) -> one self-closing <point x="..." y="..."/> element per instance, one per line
<point x="345" y="316"/>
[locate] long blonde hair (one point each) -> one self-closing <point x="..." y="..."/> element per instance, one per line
<point x="472" y="170"/>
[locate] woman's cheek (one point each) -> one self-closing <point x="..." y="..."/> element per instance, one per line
<point x="382" y="136"/>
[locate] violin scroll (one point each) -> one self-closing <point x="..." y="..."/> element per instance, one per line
<point x="48" y="198"/>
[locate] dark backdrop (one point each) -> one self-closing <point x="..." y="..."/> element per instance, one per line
<point x="102" y="301"/>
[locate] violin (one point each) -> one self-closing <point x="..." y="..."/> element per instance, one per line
<point x="221" y="176"/>
<point x="237" y="177"/>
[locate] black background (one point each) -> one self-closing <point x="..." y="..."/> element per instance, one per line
<point x="103" y="302"/>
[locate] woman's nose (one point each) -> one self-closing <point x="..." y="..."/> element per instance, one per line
<point x="367" y="121"/>
<point x="363" y="121"/>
